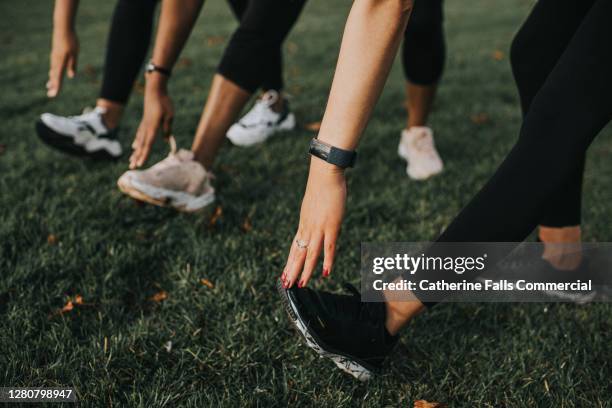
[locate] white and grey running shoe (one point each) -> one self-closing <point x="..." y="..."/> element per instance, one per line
<point x="340" y="327"/>
<point x="177" y="181"/>
<point x="261" y="122"/>
<point x="417" y="147"/>
<point x="82" y="135"/>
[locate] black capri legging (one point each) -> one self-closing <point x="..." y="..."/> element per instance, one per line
<point x="568" y="78"/>
<point x="252" y="59"/>
<point x="424" y="48"/>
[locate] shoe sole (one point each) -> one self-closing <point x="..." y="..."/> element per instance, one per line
<point x="346" y="363"/>
<point x="411" y="173"/>
<point x="287" y="124"/>
<point x="63" y="143"/>
<point x="165" y="198"/>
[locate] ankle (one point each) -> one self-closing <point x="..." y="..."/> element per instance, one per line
<point x="562" y="246"/>
<point x="113" y="112"/>
<point x="400" y="313"/>
<point x="202" y="158"/>
<point x="279" y="105"/>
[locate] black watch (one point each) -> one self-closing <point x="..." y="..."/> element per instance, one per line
<point x="333" y="155"/>
<point x="151" y="67"/>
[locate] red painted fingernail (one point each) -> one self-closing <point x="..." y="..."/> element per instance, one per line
<point x="325" y="272"/>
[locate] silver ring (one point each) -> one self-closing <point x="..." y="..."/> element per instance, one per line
<point x="301" y="244"/>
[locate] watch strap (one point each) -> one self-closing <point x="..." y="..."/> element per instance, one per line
<point x="151" y="67"/>
<point x="333" y="155"/>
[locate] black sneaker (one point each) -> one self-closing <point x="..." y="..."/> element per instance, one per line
<point x="83" y="135"/>
<point x="351" y="333"/>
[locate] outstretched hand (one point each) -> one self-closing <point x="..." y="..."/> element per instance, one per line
<point x="62" y="60"/>
<point x="320" y="220"/>
<point x="158" y="115"/>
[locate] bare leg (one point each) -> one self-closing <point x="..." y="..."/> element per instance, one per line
<point x="224" y="103"/>
<point x="399" y="313"/>
<point x="418" y="106"/>
<point x="113" y="114"/>
<point x="562" y="246"/>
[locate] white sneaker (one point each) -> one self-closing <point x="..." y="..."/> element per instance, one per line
<point x="177" y="181"/>
<point x="418" y="149"/>
<point x="82" y="135"/>
<point x="261" y="122"/>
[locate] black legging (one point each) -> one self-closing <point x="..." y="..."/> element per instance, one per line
<point x="126" y="47"/>
<point x="568" y="110"/>
<point x="252" y="59"/>
<point x="533" y="55"/>
<point x="424" y="49"/>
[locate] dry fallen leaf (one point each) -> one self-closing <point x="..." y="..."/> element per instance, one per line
<point x="207" y="283"/>
<point x="215" y="217"/>
<point x="427" y="404"/>
<point x="313" y="126"/>
<point x="67" y="307"/>
<point x="159" y="296"/>
<point x="498" y="55"/>
<point x="71" y="303"/>
<point x="168" y="346"/>
<point x="184" y="62"/>
<point x="215" y="40"/>
<point x="246" y="225"/>
<point x="52" y="239"/>
<point x="292" y="47"/>
<point x="479" y="118"/>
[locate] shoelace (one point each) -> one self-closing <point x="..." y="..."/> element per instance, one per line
<point x="173" y="158"/>
<point x="88" y="114"/>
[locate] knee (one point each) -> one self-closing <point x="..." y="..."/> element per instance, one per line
<point x="425" y="20"/>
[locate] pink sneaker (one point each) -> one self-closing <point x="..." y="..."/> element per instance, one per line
<point x="177" y="181"/>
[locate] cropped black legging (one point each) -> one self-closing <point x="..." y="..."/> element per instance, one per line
<point x="567" y="111"/>
<point x="252" y="59"/>
<point x="424" y="48"/>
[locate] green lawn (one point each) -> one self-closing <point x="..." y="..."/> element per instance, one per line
<point x="65" y="230"/>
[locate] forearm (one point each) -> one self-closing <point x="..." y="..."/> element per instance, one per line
<point x="64" y="14"/>
<point x="371" y="38"/>
<point x="175" y="24"/>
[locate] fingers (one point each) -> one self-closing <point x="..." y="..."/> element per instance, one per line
<point x="136" y="145"/>
<point x="56" y="75"/>
<point x="146" y="146"/>
<point x="71" y="66"/>
<point x="329" y="250"/>
<point x="312" y="256"/>
<point x="143" y="142"/>
<point x="295" y="261"/>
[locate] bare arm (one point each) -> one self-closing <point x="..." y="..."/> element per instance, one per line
<point x="175" y="24"/>
<point x="64" y="45"/>
<point x="371" y="38"/>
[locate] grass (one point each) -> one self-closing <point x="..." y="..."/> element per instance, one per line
<point x="65" y="230"/>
